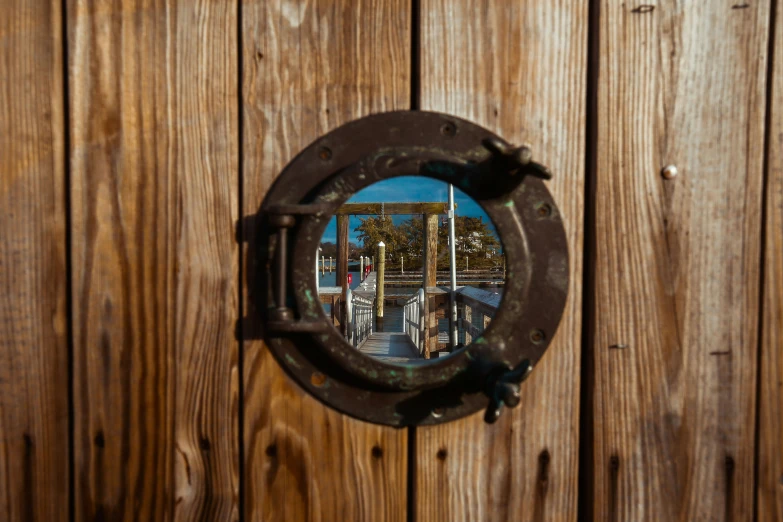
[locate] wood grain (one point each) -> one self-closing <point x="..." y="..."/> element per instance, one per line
<point x="307" y="68"/>
<point x="430" y="250"/>
<point x="34" y="434"/>
<point x="153" y="91"/>
<point x="677" y="261"/>
<point x="525" y="78"/>
<point x="770" y="450"/>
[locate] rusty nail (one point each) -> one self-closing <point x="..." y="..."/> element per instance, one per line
<point x="325" y="153"/>
<point x="544" y="210"/>
<point x="317" y="379"/>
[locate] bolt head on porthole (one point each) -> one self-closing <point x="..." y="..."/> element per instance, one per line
<point x="412" y="268"/>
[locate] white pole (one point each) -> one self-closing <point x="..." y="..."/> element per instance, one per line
<point x="402" y="264"/>
<point x="453" y="266"/>
<point x="317" y="279"/>
<point x="361" y="268"/>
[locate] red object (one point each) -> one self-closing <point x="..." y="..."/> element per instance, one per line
<point x="350" y="278"/>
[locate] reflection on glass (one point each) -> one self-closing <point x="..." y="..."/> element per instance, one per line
<point x="386" y="270"/>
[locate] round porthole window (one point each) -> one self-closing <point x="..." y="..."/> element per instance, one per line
<point x="412" y="268"/>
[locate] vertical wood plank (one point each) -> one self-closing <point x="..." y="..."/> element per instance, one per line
<point x="154" y="94"/>
<point x="518" y="68"/>
<point x="770" y="451"/>
<point x="34" y="477"/>
<point x="676" y="261"/>
<point x="309" y="67"/>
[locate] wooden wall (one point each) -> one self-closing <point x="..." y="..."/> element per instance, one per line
<point x="136" y="134"/>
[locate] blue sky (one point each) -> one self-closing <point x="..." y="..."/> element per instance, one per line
<point x="405" y="189"/>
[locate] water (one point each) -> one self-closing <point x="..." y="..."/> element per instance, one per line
<point x="331" y="279"/>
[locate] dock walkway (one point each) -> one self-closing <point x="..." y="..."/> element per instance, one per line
<point x="392" y="347"/>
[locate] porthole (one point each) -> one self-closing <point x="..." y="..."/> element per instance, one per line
<point x="318" y="327"/>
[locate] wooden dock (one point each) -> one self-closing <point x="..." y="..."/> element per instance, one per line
<point x="393" y="347"/>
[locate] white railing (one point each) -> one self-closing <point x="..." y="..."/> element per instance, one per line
<point x="413" y="319"/>
<point x="360" y="318"/>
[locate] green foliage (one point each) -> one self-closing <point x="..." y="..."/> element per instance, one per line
<point x="373" y="230"/>
<point x="475" y="240"/>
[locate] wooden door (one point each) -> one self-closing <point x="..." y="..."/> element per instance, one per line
<point x="137" y="136"/>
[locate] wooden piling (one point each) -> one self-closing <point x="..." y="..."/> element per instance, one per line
<point x="342" y="266"/>
<point x="323" y="265"/>
<point x="379" y="286"/>
<point x="429" y="270"/>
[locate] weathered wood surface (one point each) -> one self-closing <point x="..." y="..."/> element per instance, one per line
<point x="307" y="68"/>
<point x="770" y="450"/>
<point x="389" y="209"/>
<point x="429" y="278"/>
<point x="484" y="300"/>
<point x="342" y="252"/>
<point x="34" y="433"/>
<point x="525" y="79"/>
<point x="430" y="269"/>
<point x="154" y="153"/>
<point x="676" y="262"/>
<point x="390" y="347"/>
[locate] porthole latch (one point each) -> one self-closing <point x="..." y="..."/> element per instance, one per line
<point x="503" y="389"/>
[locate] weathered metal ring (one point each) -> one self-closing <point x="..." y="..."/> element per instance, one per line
<point x="379" y="147"/>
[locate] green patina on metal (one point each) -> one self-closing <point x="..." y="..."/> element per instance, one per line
<point x="292" y="361"/>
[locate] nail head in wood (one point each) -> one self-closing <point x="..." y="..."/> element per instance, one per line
<point x="669" y="172"/>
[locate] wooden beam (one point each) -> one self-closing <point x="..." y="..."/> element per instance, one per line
<point x="770" y="451"/>
<point x="372" y="209"/>
<point x="529" y="459"/>
<point x="676" y="260"/>
<point x="34" y="435"/>
<point x="310" y="67"/>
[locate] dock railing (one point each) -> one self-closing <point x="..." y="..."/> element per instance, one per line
<point x="360" y="318"/>
<point x="475" y="309"/>
<point x="413" y="319"/>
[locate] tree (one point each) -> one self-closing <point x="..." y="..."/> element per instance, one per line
<point x="328" y="249"/>
<point x="474" y="240"/>
<point x="373" y="230"/>
<point x="413" y="231"/>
